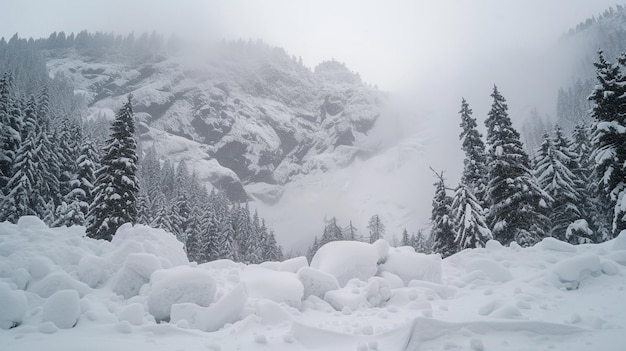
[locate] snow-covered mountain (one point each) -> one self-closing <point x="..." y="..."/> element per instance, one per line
<point x="240" y="113"/>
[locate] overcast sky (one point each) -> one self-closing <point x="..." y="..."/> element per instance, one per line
<point x="385" y="41"/>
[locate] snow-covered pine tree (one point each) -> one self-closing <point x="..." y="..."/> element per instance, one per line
<point x="117" y="186"/>
<point x="517" y="205"/>
<point x="593" y="207"/>
<point x="332" y="232"/>
<point x="474" y="164"/>
<point x="442" y="229"/>
<point x="555" y="171"/>
<point x="468" y="220"/>
<point x="406" y="240"/>
<point x="609" y="138"/>
<point x="350" y="232"/>
<point x="376" y="228"/>
<point x="10" y="126"/>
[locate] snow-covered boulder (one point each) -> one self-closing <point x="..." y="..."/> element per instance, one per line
<point x="553" y="244"/>
<point x="273" y="285"/>
<point x="133" y="314"/>
<point x="179" y="285"/>
<point x="58" y="281"/>
<point x="293" y="264"/>
<point x="359" y="294"/>
<point x="573" y="270"/>
<point x="316" y="282"/>
<point x="62" y="309"/>
<point x="228" y="309"/>
<point x="410" y="265"/>
<point x="135" y="272"/>
<point x="347" y="260"/>
<point x="91" y="270"/>
<point x="142" y="239"/>
<point x="13" y="306"/>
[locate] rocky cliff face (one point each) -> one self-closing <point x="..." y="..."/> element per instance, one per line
<point x="240" y="113"/>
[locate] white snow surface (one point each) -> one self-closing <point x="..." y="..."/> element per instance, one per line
<point x="547" y="297"/>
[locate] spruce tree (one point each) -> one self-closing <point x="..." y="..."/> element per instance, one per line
<point x="474" y="164"/>
<point x="593" y="205"/>
<point x="442" y="229"/>
<point x="468" y="220"/>
<point x="405" y="241"/>
<point x="117" y="186"/>
<point x="376" y="228"/>
<point x="10" y="126"/>
<point x="517" y="205"/>
<point x="609" y="139"/>
<point x="556" y="173"/>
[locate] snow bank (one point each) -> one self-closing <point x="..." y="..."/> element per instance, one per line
<point x="620" y="242"/>
<point x="179" y="285"/>
<point x="316" y="282"/>
<point x="55" y="282"/>
<point x="409" y="265"/>
<point x="62" y="309"/>
<point x="263" y="283"/>
<point x="346" y="260"/>
<point x="553" y="244"/>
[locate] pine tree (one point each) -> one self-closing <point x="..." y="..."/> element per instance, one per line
<point x="593" y="207"/>
<point x="350" y="232"/>
<point x="474" y="164"/>
<point x="406" y="241"/>
<point x="556" y="173"/>
<point x="10" y="126"/>
<point x="608" y="137"/>
<point x="376" y="228"/>
<point x="517" y="205"/>
<point x="332" y="232"/>
<point x="116" y="189"/>
<point x="468" y="220"/>
<point x="442" y="229"/>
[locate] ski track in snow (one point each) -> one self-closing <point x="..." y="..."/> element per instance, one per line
<point x="67" y="292"/>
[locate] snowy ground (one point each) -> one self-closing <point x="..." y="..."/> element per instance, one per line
<point x="61" y="291"/>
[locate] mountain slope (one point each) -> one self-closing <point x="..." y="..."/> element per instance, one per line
<point x="242" y="113"/>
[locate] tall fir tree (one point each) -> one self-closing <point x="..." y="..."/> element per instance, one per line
<point x="474" y="164"/>
<point x="442" y="229"/>
<point x="517" y="205"/>
<point x="593" y="204"/>
<point x="376" y="228"/>
<point x="609" y="139"/>
<point x="117" y="186"/>
<point x="555" y="170"/>
<point x="10" y="127"/>
<point x="468" y="220"/>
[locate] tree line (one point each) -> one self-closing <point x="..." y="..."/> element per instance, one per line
<point x="572" y="190"/>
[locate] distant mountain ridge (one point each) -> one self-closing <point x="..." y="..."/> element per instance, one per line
<point x="241" y="113"/>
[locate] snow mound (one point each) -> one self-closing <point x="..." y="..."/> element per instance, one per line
<point x="316" y="282"/>
<point x="179" y="285"/>
<point x="410" y="265"/>
<point x="13" y="307"/>
<point x="359" y="294"/>
<point x="394" y="281"/>
<point x="492" y="269"/>
<point x="135" y="272"/>
<point x="493" y="245"/>
<point x="142" y="239"/>
<point x="263" y="283"/>
<point x="55" y="282"/>
<point x="226" y="310"/>
<point x="553" y="244"/>
<point x="91" y="270"/>
<point x="62" y="309"/>
<point x="293" y="265"/>
<point x="577" y="268"/>
<point x="346" y="260"/>
<point x="133" y="314"/>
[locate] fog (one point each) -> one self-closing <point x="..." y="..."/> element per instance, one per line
<point x="427" y="54"/>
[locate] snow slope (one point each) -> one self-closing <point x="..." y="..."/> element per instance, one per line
<point x="62" y="291"/>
